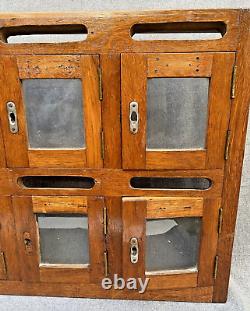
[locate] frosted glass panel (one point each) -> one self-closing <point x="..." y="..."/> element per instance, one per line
<point x="54" y="113"/>
<point x="172" y="244"/>
<point x="177" y="113"/>
<point x="63" y="239"/>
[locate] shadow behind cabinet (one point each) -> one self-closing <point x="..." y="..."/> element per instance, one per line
<point x="121" y="153"/>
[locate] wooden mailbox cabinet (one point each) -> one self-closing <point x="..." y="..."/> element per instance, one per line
<point x="121" y="146"/>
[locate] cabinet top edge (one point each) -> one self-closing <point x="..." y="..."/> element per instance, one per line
<point x="117" y="13"/>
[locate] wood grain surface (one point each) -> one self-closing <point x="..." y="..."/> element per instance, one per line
<point x="114" y="68"/>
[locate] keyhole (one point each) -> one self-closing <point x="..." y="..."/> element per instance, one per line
<point x="12" y="118"/>
<point x="27" y="242"/>
<point x="134" y="250"/>
<point x="134" y="116"/>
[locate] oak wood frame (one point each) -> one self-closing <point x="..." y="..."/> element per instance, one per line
<point x="109" y="44"/>
<point x="137" y="68"/>
<point x="137" y="210"/>
<point x="25" y="210"/>
<point x="84" y="67"/>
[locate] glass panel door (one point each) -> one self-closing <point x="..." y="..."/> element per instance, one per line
<point x="60" y="239"/>
<point x="170" y="240"/>
<point x="175" y="110"/>
<point x="52" y="111"/>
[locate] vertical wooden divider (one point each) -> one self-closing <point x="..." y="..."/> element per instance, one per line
<point x="134" y="88"/>
<point x="2" y="150"/>
<point x="111" y="110"/>
<point x="134" y="219"/>
<point x="8" y="242"/>
<point x="10" y="90"/>
<point x="96" y="239"/>
<point x="114" y="235"/>
<point x="233" y="168"/>
<point x="26" y="223"/>
<point x="92" y="110"/>
<point x="209" y="238"/>
<point x="219" y="109"/>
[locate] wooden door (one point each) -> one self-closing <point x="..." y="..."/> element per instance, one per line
<point x="175" y="239"/>
<point x="175" y="109"/>
<point x="60" y="239"/>
<point x="50" y="110"/>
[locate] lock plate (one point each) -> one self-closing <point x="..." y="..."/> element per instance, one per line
<point x="134" y="250"/>
<point x="12" y="117"/>
<point x="133" y="117"/>
<point x="28" y="243"/>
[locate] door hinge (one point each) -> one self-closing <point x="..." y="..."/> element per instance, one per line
<point x="233" y="82"/>
<point x="220" y="220"/>
<point x="3" y="268"/>
<point x="100" y="83"/>
<point x="215" y="266"/>
<point x="105" y="215"/>
<point x="102" y="145"/>
<point x="106" y="263"/>
<point x="227" y="146"/>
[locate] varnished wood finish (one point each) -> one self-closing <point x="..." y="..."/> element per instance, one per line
<point x="63" y="204"/>
<point x="92" y="110"/>
<point x="9" y="265"/>
<point x="31" y="269"/>
<point x="133" y="218"/>
<point x="10" y="90"/>
<point x="134" y="86"/>
<point x="195" y="294"/>
<point x="111" y="112"/>
<point x="114" y="69"/>
<point x="167" y="207"/>
<point x="208" y="243"/>
<point x="114" y="235"/>
<point x="136" y="68"/>
<point x="109" y="182"/>
<point x="238" y="127"/>
<point x="173" y="207"/>
<point x="220" y="89"/>
<point x="64" y="275"/>
<point x="47" y="67"/>
<point x="52" y="66"/>
<point x="96" y="238"/>
<point x="57" y="158"/>
<point x="117" y="25"/>
<point x="3" y="271"/>
<point x="175" y="159"/>
<point x="26" y="223"/>
<point x="175" y="65"/>
<point x="172" y="281"/>
<point x="2" y="149"/>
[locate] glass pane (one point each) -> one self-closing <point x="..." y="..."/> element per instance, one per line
<point x="177" y="113"/>
<point x="63" y="239"/>
<point x="172" y="244"/>
<point x="54" y="113"/>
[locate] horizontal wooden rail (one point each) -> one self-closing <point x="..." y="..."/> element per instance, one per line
<point x="113" y="31"/>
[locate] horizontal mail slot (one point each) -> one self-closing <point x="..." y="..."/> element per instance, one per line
<point x="44" y="33"/>
<point x="178" y="31"/>
<point x="193" y="183"/>
<point x="56" y="182"/>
